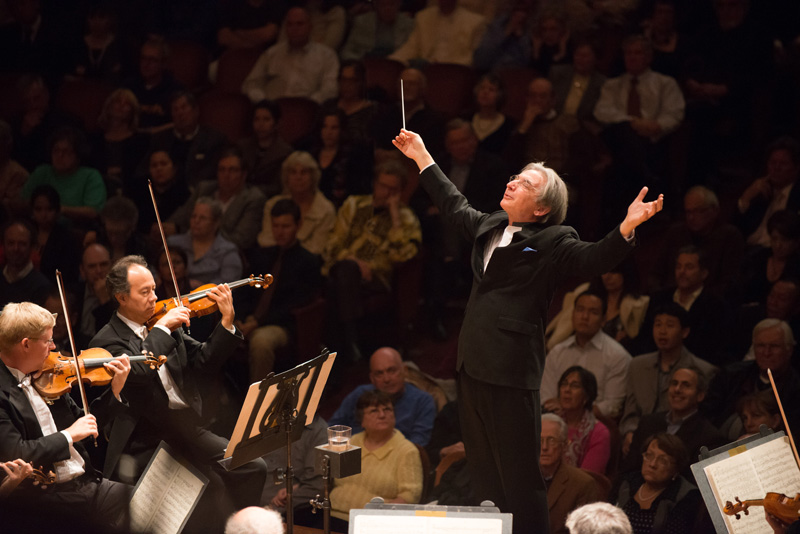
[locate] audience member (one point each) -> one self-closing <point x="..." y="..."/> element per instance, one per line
<point x="20" y="282"/>
<point x="166" y="286"/>
<point x="568" y="487"/>
<point x="650" y="375"/>
<point x="254" y="520"/>
<point x="328" y="22"/>
<point x="507" y="41"/>
<point x="193" y="146"/>
<point x="117" y="230"/>
<point x="295" y="67"/>
<point x="242" y="204"/>
<point x="704" y="228"/>
<point x="771" y="193"/>
<point x="300" y="175"/>
<point x="211" y="257"/>
<point x="588" y="439"/>
<point x="591" y="349"/>
<point x="598" y="518"/>
<point x="98" y="53"/>
<point x="443" y="33"/>
<point x="36" y="39"/>
<point x="56" y="245"/>
<point x="625" y="308"/>
<point x="169" y="189"/>
<point x="577" y="85"/>
<point x="95" y="306"/>
<point x="768" y="265"/>
<point x="414" y="409"/>
<point x="659" y="499"/>
<point x="265" y="150"/>
<point x="756" y="409"/>
<point x="308" y="481"/>
<point x="119" y="147"/>
<point x="269" y="324"/>
<point x="371" y="234"/>
<point x="551" y="42"/>
<point x="773" y="343"/>
<point x="687" y="389"/>
<point x="708" y="314"/>
<point x="390" y="464"/>
<point x="669" y="45"/>
<point x="379" y="32"/>
<point x="541" y="135"/>
<point x="153" y="86"/>
<point x="249" y="23"/>
<point x="638" y="109"/>
<point x="81" y="189"/>
<point x="359" y="111"/>
<point x="12" y="174"/>
<point x="492" y="128"/>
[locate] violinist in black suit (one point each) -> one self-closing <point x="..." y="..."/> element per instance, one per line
<point x="519" y="257"/>
<point x="167" y="404"/>
<point x="50" y="435"/>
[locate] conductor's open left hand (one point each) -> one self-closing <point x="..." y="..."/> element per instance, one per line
<point x="639" y="211"/>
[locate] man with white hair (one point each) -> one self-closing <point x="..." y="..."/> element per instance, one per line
<point x="520" y="255"/>
<point x="254" y="520"/>
<point x="773" y="344"/>
<point x="599" y="518"/>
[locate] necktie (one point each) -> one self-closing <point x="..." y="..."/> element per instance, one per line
<point x="634" y="99"/>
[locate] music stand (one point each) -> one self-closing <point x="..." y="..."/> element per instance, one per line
<point x="270" y="411"/>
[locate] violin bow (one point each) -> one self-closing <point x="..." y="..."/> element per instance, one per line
<point x="783" y="415"/>
<point x="166" y="247"/>
<point x="76" y="360"/>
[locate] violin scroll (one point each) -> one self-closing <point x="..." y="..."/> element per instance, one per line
<point x="42" y="479"/>
<point x="734" y="509"/>
<point x="152" y="361"/>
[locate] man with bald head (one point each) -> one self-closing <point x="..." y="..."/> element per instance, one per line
<point x="254" y="520"/>
<point x="95" y="305"/>
<point x="414" y="409"/>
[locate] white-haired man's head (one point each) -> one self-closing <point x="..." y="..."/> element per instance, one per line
<point x="598" y="518"/>
<point x="254" y="520"/>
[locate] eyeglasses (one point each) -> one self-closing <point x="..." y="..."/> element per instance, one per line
<point x="47" y="341"/>
<point x="550" y="442"/>
<point x="768" y="347"/>
<point x="571" y="385"/>
<point x="525" y="183"/>
<point x="375" y="410"/>
<point x="664" y="462"/>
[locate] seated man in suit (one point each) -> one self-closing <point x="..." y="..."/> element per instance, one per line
<point x="414" y="409"/>
<point x="50" y="435"/>
<point x="592" y="349"/>
<point x="95" y="304"/>
<point x="687" y="389"/>
<point x="167" y="404"/>
<point x="649" y="374"/>
<point x="269" y="324"/>
<point x="568" y="487"/>
<point x="19" y="281"/>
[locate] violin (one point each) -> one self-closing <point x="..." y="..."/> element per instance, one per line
<point x="777" y="504"/>
<point x="41" y="479"/>
<point x="198" y="302"/>
<point x="58" y="371"/>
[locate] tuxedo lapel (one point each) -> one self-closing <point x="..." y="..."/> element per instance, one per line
<point x="20" y="402"/>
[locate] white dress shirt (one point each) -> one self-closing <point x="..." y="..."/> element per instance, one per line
<point x="66" y="470"/>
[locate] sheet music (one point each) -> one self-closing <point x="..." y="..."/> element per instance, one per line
<point x="770" y="467"/>
<point x="165" y="496"/>
<point x="409" y="524"/>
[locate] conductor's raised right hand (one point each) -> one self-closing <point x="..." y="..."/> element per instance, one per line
<point x="412" y="146"/>
<point x="83" y="428"/>
<point x="175" y="317"/>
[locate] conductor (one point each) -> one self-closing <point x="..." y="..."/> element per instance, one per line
<point x="520" y="255"/>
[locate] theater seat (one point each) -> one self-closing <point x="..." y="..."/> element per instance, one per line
<point x="227" y="112"/>
<point x="234" y="66"/>
<point x="298" y="116"/>
<point x="188" y="62"/>
<point x="83" y="99"/>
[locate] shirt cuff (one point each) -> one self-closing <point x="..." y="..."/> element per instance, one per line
<point x="426" y="166"/>
<point x="69" y="438"/>
<point x="631" y="237"/>
<point x="163" y="328"/>
<point x="232" y="329"/>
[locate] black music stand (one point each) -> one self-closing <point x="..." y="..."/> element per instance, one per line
<point x="269" y="415"/>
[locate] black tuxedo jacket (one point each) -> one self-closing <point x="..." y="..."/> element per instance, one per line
<point x="502" y="337"/>
<point x="20" y="433"/>
<point x="191" y="364"/>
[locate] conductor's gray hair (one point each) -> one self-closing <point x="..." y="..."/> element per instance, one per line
<point x="788" y="336"/>
<point x="254" y="520"/>
<point x="562" y="425"/>
<point x="598" y="518"/>
<point x="553" y="193"/>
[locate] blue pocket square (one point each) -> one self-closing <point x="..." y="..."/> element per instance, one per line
<point x="529" y="249"/>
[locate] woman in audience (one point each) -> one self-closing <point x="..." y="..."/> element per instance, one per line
<point x="658" y="499"/>
<point x="99" y="54"/>
<point x="768" y="265"/>
<point x="390" y="464"/>
<point x="166" y="288"/>
<point x="56" y="247"/>
<point x="300" y="175"/>
<point x="81" y="189"/>
<point x="758" y="409"/>
<point x="491" y="127"/>
<point x="626" y="307"/>
<point x="264" y="152"/>
<point x="352" y="100"/>
<point x="119" y="147"/>
<point x="170" y="193"/>
<point x="588" y="440"/>
<point x="211" y="258"/>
